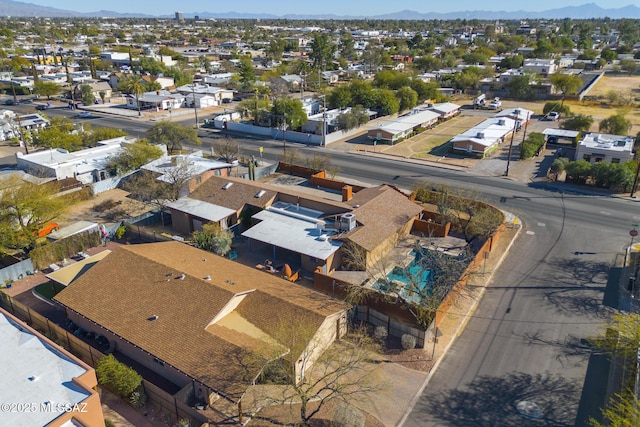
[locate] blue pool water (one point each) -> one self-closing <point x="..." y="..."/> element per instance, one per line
<point x="413" y="273"/>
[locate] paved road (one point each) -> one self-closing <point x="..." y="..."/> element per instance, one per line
<point x="525" y="342"/>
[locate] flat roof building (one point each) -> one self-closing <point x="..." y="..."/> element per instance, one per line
<point x="38" y="373"/>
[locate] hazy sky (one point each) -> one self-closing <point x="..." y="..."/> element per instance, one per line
<point x="338" y="7"/>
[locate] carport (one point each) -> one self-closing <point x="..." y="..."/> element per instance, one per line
<point x="554" y="136"/>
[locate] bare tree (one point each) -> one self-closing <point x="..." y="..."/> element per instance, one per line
<point x="341" y="373"/>
<point x="228" y="149"/>
<point x="147" y="188"/>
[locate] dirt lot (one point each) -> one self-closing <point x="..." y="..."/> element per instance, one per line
<point x="617" y="83"/>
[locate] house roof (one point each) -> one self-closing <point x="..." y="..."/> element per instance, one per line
<point x="294" y="228"/>
<point x="409" y="121"/>
<point x="234" y="196"/>
<point x="157" y="297"/>
<point x="204" y="210"/>
<point x="488" y="132"/>
<point x="35" y="371"/>
<point x="196" y="165"/>
<point x="445" y="107"/>
<point x="71" y="272"/>
<point x="382" y="211"/>
<point x="601" y="141"/>
<point x="517" y="113"/>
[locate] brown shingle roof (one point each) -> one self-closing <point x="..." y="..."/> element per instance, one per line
<point x="382" y="212"/>
<point x="243" y="192"/>
<point x="136" y="282"/>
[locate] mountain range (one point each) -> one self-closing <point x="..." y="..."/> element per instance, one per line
<point x="585" y="11"/>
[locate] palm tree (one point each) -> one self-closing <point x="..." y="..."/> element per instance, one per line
<point x="133" y="84"/>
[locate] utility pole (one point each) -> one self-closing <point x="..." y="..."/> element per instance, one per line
<point x="324" y="120"/>
<point x="24" y="141"/>
<point x="195" y="107"/>
<point x="513" y="133"/>
<point x="634" y="187"/>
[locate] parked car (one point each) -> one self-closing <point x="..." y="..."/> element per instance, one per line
<point x="554" y="115"/>
<point x="42" y="107"/>
<point x="10" y="102"/>
<point x="226" y="100"/>
<point x="495" y="105"/>
<point x="83" y="115"/>
<point x="47" y="229"/>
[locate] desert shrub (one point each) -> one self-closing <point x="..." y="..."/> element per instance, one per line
<point x="138" y="399"/>
<point x="380" y="333"/>
<point x="117" y="377"/>
<point x="408" y="341"/>
<point x="531" y="146"/>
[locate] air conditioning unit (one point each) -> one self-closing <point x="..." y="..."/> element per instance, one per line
<point x="347" y="222"/>
<point x="480" y="135"/>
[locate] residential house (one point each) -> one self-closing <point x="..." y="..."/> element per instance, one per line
<point x="381" y="216"/>
<point x="158" y="100"/>
<point x="330" y="119"/>
<point x="293" y="81"/>
<point x="193" y="317"/>
<point x="599" y="147"/>
<point x="205" y="96"/>
<point x="191" y="170"/>
<point x="42" y="382"/>
<point x="480" y="140"/>
<point x="33" y="122"/>
<point x="87" y="166"/>
<point x="116" y="58"/>
<point x="166" y="83"/>
<point x="522" y="116"/>
<point x="544" y="67"/>
<point x="445" y="109"/>
<point x="97" y="88"/>
<point x="393" y="130"/>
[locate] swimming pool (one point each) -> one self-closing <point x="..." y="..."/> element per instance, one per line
<point x="413" y="276"/>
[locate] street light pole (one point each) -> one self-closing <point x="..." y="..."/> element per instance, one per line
<point x="634" y="187"/>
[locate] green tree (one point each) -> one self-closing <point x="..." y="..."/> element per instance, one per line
<point x="532" y="145"/>
<point x="44" y="88"/>
<point x="608" y="54"/>
<point x="214" y="239"/>
<point x="615" y="125"/>
<point x="86" y="95"/>
<point x="407" y="98"/>
<point x="173" y="135"/>
<point x="246" y="72"/>
<point x="133" y="156"/>
<point x="58" y="135"/>
<point x="340" y="97"/>
<point x="347" y="46"/>
<point x="385" y="101"/>
<point x="289" y="111"/>
<point x="91" y="136"/>
<point x="612" y="175"/>
<point x="565" y="83"/>
<point x="629" y="65"/>
<point x="579" y="171"/>
<point x="133" y="85"/>
<point x="116" y="376"/>
<point x="276" y="49"/>
<point x="519" y="87"/>
<point x="322" y="51"/>
<point x="579" y="122"/>
<point x="25" y="207"/>
<point x="512" y="61"/>
<point x="152" y="86"/>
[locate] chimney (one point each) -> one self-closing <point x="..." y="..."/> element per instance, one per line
<point x="347" y="193"/>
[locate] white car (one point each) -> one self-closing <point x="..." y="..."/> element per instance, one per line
<point x="553" y="116"/>
<point x="494" y="105"/>
<point x="84" y="115"/>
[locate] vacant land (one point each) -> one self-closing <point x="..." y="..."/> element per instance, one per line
<point x="620" y="84"/>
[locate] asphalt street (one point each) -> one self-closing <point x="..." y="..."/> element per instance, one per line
<point x="526" y="342"/>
